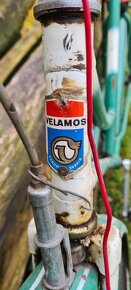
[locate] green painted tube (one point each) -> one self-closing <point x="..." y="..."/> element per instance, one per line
<point x="103" y="119"/>
<point x="104" y="44"/>
<point x="127" y="17"/>
<point x="129" y="53"/>
<point x="111" y="83"/>
<point x="110" y="162"/>
<point x="114" y="13"/>
<point x="34" y="281"/>
<point x="97" y="133"/>
<point x="91" y="278"/>
<point x="121" y="73"/>
<point x="124" y="121"/>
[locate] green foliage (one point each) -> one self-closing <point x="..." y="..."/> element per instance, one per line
<point x="114" y="180"/>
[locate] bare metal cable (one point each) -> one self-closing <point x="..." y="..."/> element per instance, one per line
<point x="65" y="192"/>
<point x="14" y="117"/>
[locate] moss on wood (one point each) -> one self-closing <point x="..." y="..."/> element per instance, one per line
<point x="12" y="14"/>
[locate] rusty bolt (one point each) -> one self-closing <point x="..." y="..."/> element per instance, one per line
<point x="63" y="171"/>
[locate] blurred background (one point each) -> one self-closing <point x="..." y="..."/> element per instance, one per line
<point x="21" y="72"/>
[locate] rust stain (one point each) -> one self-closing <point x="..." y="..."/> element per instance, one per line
<point x="67" y="221"/>
<point x="100" y="230"/>
<point x="83" y="277"/>
<point x="80" y="57"/>
<point x="79" y="66"/>
<point x="69" y="83"/>
<point x="12" y="108"/>
<point x="63" y="219"/>
<point x="60" y="17"/>
<point x="94" y="242"/>
<point x="98" y="234"/>
<point x="66" y="92"/>
<point x="63" y="94"/>
<point x="80" y="222"/>
<point x="113" y="83"/>
<point x="62" y="102"/>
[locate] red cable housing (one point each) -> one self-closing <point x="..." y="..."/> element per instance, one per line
<point x="87" y="19"/>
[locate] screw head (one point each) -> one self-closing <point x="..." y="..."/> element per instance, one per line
<point x="63" y="171"/>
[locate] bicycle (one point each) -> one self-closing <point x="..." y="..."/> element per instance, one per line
<point x="68" y="151"/>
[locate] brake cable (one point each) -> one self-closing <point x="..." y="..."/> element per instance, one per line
<point x="16" y="120"/>
<point x="65" y="192"/>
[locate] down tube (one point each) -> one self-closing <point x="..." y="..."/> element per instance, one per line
<point x="112" y="69"/>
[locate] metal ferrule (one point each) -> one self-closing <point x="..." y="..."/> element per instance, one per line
<point x="41" y="201"/>
<point x="51" y="6"/>
<point x="49" y="238"/>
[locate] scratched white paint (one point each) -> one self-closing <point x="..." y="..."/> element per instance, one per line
<point x="64" y="65"/>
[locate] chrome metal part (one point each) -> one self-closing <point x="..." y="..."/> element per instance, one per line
<point x="78" y="252"/>
<point x="49" y="6"/>
<point x="127" y="167"/>
<point x="50" y="236"/>
<point x="41" y="200"/>
<point x="62" y="237"/>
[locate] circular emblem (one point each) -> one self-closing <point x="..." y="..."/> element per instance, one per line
<point x="65" y="150"/>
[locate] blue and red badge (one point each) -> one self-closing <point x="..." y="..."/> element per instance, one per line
<point x="65" y="135"/>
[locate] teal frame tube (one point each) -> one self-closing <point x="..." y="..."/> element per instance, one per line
<point x="96" y="133"/>
<point x="129" y="55"/>
<point x="111" y="83"/>
<point x="121" y="73"/>
<point x="112" y="117"/>
<point x="124" y="121"/>
<point x="103" y="118"/>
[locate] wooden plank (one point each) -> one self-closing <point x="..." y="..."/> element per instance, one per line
<point x="12" y="14"/>
<point x="15" y="253"/>
<point x="16" y="55"/>
<point x="25" y="90"/>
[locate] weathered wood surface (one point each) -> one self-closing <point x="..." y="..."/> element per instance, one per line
<point x="25" y="91"/>
<point x="12" y="14"/>
<point x="18" y="53"/>
<point x="15" y="253"/>
<point x="30" y="38"/>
